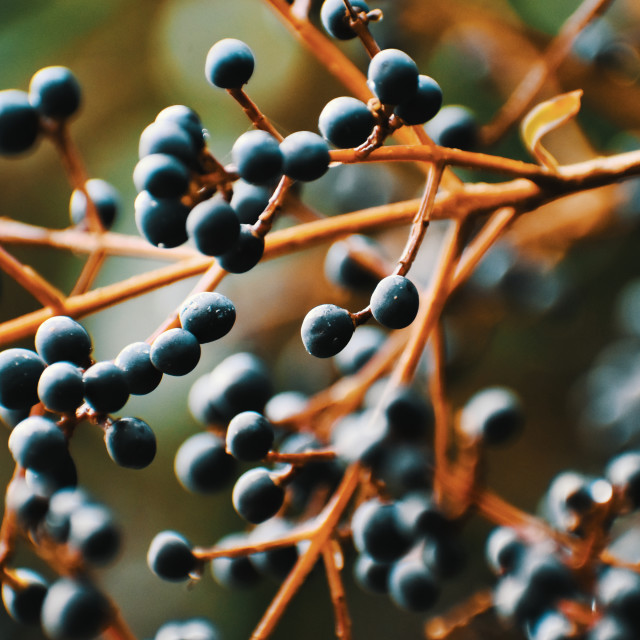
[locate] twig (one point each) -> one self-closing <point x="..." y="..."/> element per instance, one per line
<point x="330" y="551"/>
<point x="524" y="94"/>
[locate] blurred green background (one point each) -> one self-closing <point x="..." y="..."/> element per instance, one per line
<point x="134" y="59"/>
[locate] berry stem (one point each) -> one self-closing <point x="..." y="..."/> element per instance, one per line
<point x="329" y="518"/>
<point x="32" y="281"/>
<point x="359" y="25"/>
<point x="259" y="120"/>
<point x="460" y="616"/>
<point x="333" y="563"/>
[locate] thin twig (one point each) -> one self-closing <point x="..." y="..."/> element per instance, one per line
<point x="330" y="551"/>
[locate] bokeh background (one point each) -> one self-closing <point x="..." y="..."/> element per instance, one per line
<point x="539" y="331"/>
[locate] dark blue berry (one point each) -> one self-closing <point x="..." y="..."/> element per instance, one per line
<point x="335" y="18"/>
<point x="346" y="122"/>
<point x="161" y="221"/>
<point x="20" y="370"/>
<point x="306" y="156"/>
<point x="168" y="137"/>
<point x="237" y="572"/>
<point x="61" y="505"/>
<point x="618" y="591"/>
<point x="611" y="628"/>
<point x="175" y="352"/>
<point x="623" y="472"/>
<point x="256" y="497"/>
<point x="249" y="436"/>
<point x="395" y="302"/>
<point x="19" y="122"/>
<point x="162" y="175"/>
<point x="62" y="338"/>
<point x="343" y="267"/>
<point x="412" y="586"/>
<point x="366" y="342"/>
<point x="37" y="443"/>
<point x="229" y="64"/>
<point x="186" y="118"/>
<point x="24" y="604"/>
<point x="245" y="253"/>
<point x="371" y="575"/>
<point x="504" y="549"/>
<point x="444" y="556"/>
<point x="407" y="412"/>
<point x="105" y="387"/>
<point x="241" y="382"/>
<point x="258" y="157"/>
<point x="422" y="517"/>
<point x="380" y="531"/>
<point x="62" y="474"/>
<point x="130" y="442"/>
<point x="493" y="414"/>
<point x="455" y="127"/>
<point x="74" y="610"/>
<point x="60" y="388"/>
<point x="208" y="316"/>
<point x="55" y="92"/>
<point x="213" y="226"/>
<point x="202" y="465"/>
<point x="170" y="556"/>
<point x="284" y="405"/>
<point x="135" y="362"/>
<point x="553" y="625"/>
<point x="275" y="564"/>
<point x="29" y="504"/>
<point x="249" y="201"/>
<point x="326" y="330"/>
<point x="393" y="76"/>
<point x="422" y="106"/>
<point x="104" y="196"/>
<point x="93" y="532"/>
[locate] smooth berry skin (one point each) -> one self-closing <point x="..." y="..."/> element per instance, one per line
<point x="380" y="532"/>
<point x="326" y="330"/>
<point x="37" y="443"/>
<point x="213" y="227"/>
<point x="175" y="352"/>
<point x="135" y="362"/>
<point x="395" y="302"/>
<point x="19" y="122"/>
<point x="162" y="175"/>
<point x="503" y="550"/>
<point x="393" y="76"/>
<point x="168" y="137"/>
<point x="94" y="534"/>
<point x="60" y="387"/>
<point x="25" y="604"/>
<point x="130" y="443"/>
<point x="104" y="196"/>
<point x="55" y="92"/>
<point x="170" y="556"/>
<point x="105" y="387"/>
<point x="29" y="504"/>
<point x="335" y="18"/>
<point x="275" y="564"/>
<point x="20" y="370"/>
<point x="344" y="270"/>
<point x="62" y="474"/>
<point x="249" y="201"/>
<point x="62" y="338"/>
<point x="371" y="575"/>
<point x="190" y="629"/>
<point x="494" y="415"/>
<point x="208" y="316"/>
<point x="74" y="610"/>
<point x="245" y="254"/>
<point x="202" y="465"/>
<point x="623" y="472"/>
<point x="186" y="118"/>
<point x="162" y="221"/>
<point x="306" y="156"/>
<point x="229" y="65"/>
<point x="256" y="497"/>
<point x="249" y="436"/>
<point x="234" y="573"/>
<point x="454" y="126"/>
<point x="366" y="342"/>
<point x="412" y="586"/>
<point x="61" y="505"/>
<point x="422" y="106"/>
<point x="346" y="122"/>
<point x="257" y="157"/>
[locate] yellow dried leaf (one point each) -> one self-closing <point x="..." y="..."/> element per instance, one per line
<point x="546" y="117"/>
